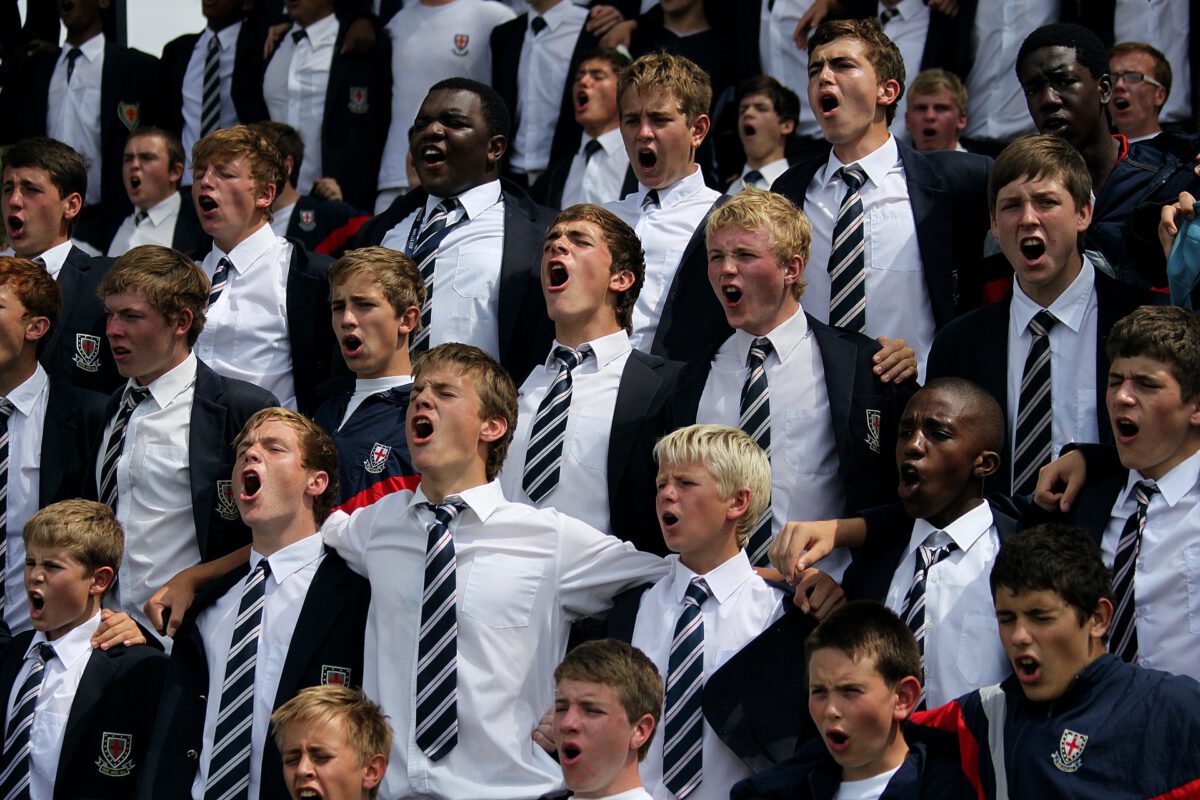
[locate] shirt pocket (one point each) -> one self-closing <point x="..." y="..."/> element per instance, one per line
<point x="164" y="471"/>
<point x="1191" y="570"/>
<point x="886" y="233"/>
<point x="590" y="437"/>
<point x="501" y="589"/>
<point x="978" y="649"/>
<point x="803" y="431"/>
<point x="470" y="282"/>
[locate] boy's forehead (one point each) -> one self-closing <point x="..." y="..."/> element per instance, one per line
<point x="836" y="660"/>
<point x="842" y="47"/>
<point x="1005" y="598"/>
<point x="755" y="99"/>
<point x="652" y="99"/>
<point x="1142" y="365"/>
<point x="34" y="175"/>
<point x="145" y="142"/>
<point x="575" y="226"/>
<point x="237" y="162"/>
<point x="597" y="65"/>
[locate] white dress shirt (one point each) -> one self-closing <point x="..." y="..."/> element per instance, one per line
<point x="292" y="571"/>
<point x="781" y="57"/>
<point x="154" y="490"/>
<point x="541" y="79"/>
<point x="24" y="496"/>
<point x="962" y="643"/>
<point x="633" y="794"/>
<point x="908" y="30"/>
<point x="996" y="107"/>
<point x="769" y="172"/>
<point x="1073" y="377"/>
<point x="294" y="88"/>
<point x="1164" y="24"/>
<point x="245" y="333"/>
<point x="281" y="218"/>
<point x="523" y="576"/>
<point x="871" y="788"/>
<point x="193" y="88"/>
<point x="430" y="43"/>
<point x="54" y="258"/>
<point x="60" y="680"/>
<point x="897" y="298"/>
<point x="805" y="484"/>
<point x="600" y="179"/>
<point x="365" y="387"/>
<point x="466" y="278"/>
<point x="1166" y="575"/>
<point x="665" y="232"/>
<point x="582" y="489"/>
<point x="157" y="228"/>
<point x="740" y="606"/>
<point x="74" y="108"/>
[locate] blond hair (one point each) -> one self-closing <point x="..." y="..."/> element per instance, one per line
<point x="395" y="273"/>
<point x="676" y="76"/>
<point x="789" y="230"/>
<point x="317" y="451"/>
<point x="165" y="278"/>
<point x="623" y="668"/>
<point x="84" y="528"/>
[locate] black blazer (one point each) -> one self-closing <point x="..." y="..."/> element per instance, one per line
<point x="866" y="457"/>
<point x="327" y="648"/>
<point x="77" y="348"/>
<point x="310" y="334"/>
<point x="112" y="711"/>
<point x="549" y="188"/>
<point x="525" y="330"/>
<point x="245" y="88"/>
<point x="189" y="237"/>
<point x="73" y="424"/>
<point x="507" y="40"/>
<point x="948" y="193"/>
<point x="975" y="347"/>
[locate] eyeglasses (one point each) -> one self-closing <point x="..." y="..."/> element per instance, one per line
<point x="1134" y="78"/>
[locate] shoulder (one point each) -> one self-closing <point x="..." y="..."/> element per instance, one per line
<point x="231" y="392"/>
<point x="307" y="262"/>
<point x="129" y="58"/>
<point x="180" y="45"/>
<point x="794" y="182"/>
<point x="64" y="394"/>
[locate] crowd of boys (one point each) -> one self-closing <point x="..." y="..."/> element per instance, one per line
<point x="476" y="499"/>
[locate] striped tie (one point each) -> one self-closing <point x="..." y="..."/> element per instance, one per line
<point x="543" y="456"/>
<point x="913" y="612"/>
<point x="229" y="767"/>
<point x="437" y="648"/>
<point x="1123" y="640"/>
<point x="847" y="263"/>
<point x="683" y="725"/>
<point x="751" y="179"/>
<point x="1031" y="450"/>
<point x="210" y="100"/>
<point x="650" y="201"/>
<point x="756" y="422"/>
<point x="424" y="254"/>
<point x="14" y="773"/>
<point x="220" y="279"/>
<point x="6" y="410"/>
<point x="116" y="443"/>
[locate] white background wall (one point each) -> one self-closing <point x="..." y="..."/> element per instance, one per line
<point x="153" y="23"/>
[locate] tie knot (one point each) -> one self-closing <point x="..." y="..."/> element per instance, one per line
<point x="752" y="178"/>
<point x="444" y="208"/>
<point x="214" y="44"/>
<point x="6" y="407"/>
<point x="931" y="554"/>
<point x="445" y="512"/>
<point x="224" y="265"/>
<point x="538" y="24"/>
<point x="135" y="395"/>
<point x="1042" y="322"/>
<point x="139" y="217"/>
<point x="853" y="176"/>
<point x="43" y="652"/>
<point x="697" y="593"/>
<point x="298" y="35"/>
<point x="887" y="15"/>
<point x="1144" y="490"/>
<point x="591" y="148"/>
<point x="760" y="348"/>
<point x="73" y="54"/>
<point x="571" y="358"/>
<point x="650" y="200"/>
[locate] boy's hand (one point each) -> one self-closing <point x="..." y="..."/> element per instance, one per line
<point x="360" y="37"/>
<point x="117" y="628"/>
<point x="811" y="19"/>
<point x="601" y="20"/>
<point x="543" y="734"/>
<point x="896" y="362"/>
<point x="817" y="594"/>
<point x="274" y="37"/>
<point x="1060" y="482"/>
<point x="620" y="35"/>
<point x="799" y="545"/>
<point x="1168" y="221"/>
<point x="327" y="188"/>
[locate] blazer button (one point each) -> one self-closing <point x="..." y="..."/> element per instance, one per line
<point x="192" y="754"/>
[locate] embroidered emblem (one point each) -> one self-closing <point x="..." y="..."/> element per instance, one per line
<point x="308" y="219"/>
<point x="461" y="40"/>
<point x="1069" y="756"/>
<point x="872" y="439"/>
<point x="87" y="352"/>
<point x="377" y="458"/>
<point x="115" y="752"/>
<point x="130" y="114"/>
<point x="335" y="676"/>
<point x="226" y="507"/>
<point x="358" y="100"/>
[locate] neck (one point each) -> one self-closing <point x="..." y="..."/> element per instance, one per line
<point x="1100" y="155"/>
<point x="942" y="519"/>
<point x="148" y="204"/>
<point x="690" y="20"/>
<point x="13" y="375"/>
<point x="542" y="6"/>
<point x="626" y="781"/>
<point x="1046" y="294"/>
<point x="706" y="560"/>
<point x="768" y="158"/>
<point x="270" y="539"/>
<point x="398" y="364"/>
<point x="891" y="758"/>
<point x="1149" y="128"/>
<point x="1187" y="448"/>
<point x="81" y="36"/>
<point x="218" y="25"/>
<point x="286" y="198"/>
<point x="226" y="245"/>
<point x="574" y="335"/>
<point x="875" y="137"/>
<point x="596" y="130"/>
<point x="437" y="489"/>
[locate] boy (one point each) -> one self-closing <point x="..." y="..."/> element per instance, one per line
<point x="1141" y="77"/>
<point x="767" y="114"/>
<point x="335" y="744"/>
<point x="151" y="168"/>
<point x="863" y="682"/>
<point x="268" y="293"/>
<point x="78" y="720"/>
<point x="375" y="299"/>
<point x="293" y="619"/>
<point x="592" y="272"/>
<point x="937" y="111"/>
<point x="607" y="700"/>
<point x="1072" y="720"/>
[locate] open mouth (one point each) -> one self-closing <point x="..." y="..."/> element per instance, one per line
<point x="1032" y="248"/>
<point x="118" y="351"/>
<point x="829" y="103"/>
<point x="837" y="739"/>
<point x="647" y="159"/>
<point x="748" y="130"/>
<point x="37" y="601"/>
<point x="929" y="133"/>
<point x="556" y="275"/>
<point x="308" y="793"/>
<point x="15" y="224"/>
<point x="1121" y="103"/>
<point x="351" y="345"/>
<point x="206" y="203"/>
<point x="569" y="753"/>
<point x="732" y="294"/>
<point x="251" y="483"/>
<point x="581" y="100"/>
<point x="422" y="428"/>
<point x="431" y="155"/>
<point x="1126" y="428"/>
<point x="1028" y="669"/>
<point x="1054" y="125"/>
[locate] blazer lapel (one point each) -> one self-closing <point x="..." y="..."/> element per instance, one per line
<point x="931" y="212"/>
<point x="838" y="358"/>
<point x="639" y="382"/>
<point x="72" y="284"/>
<point x="321" y="612"/>
<point x="58" y="437"/>
<point x="87" y="698"/>
<point x="207" y="428"/>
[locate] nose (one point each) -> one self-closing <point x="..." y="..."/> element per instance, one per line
<point x="1019" y="634"/>
<point x="914" y="444"/>
<point x="645" y="131"/>
<point x="1122" y="393"/>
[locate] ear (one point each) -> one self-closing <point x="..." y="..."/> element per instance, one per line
<point x="788" y="127"/>
<point x="175" y="174"/>
<point x="961" y="125"/>
<point x="1160" y="98"/>
<point x="1194" y="418"/>
<point x="266" y="195"/>
<point x="700" y="130"/>
<point x="497" y="147"/>
<point x="739" y="504"/>
<point x="317" y="483"/>
<point x="1083" y="217"/>
<point x="408" y="319"/>
<point x="373" y="771"/>
<point x="72" y="205"/>
<point x="621" y="282"/>
<point x="643" y="729"/>
<point x="908" y="693"/>
<point x="995" y="227"/>
<point x="986" y="464"/>
<point x="36" y="328"/>
<point x="289" y="164"/>
<point x="1106" y="85"/>
<point x="1100" y="619"/>
<point x="793" y="270"/>
<point x="493" y="429"/>
<point x="183" y="322"/>
<point x="889" y="92"/>
<point x="102" y="578"/>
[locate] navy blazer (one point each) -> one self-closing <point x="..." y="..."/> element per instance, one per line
<point x="548" y="189"/>
<point x="107" y="737"/>
<point x="189" y="237"/>
<point x="73" y="424"/>
<point x="525" y="330"/>
<point x="310" y="334"/>
<point x="326" y="648"/>
<point x="77" y="348"/>
<point x="975" y="347"/>
<point x="245" y="88"/>
<point x="948" y="194"/>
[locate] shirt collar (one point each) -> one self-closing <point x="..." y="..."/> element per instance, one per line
<point x="722" y="581"/>
<point x="605" y="349"/>
<point x="554" y="17"/>
<point x="383" y="384"/>
<point x="249" y="250"/>
<point x="321" y="33"/>
<point x="474" y="201"/>
<point x="611" y="141"/>
<point x="167" y="207"/>
<point x="784" y="338"/>
<point x="769" y="171"/>
<point x="1068" y="308"/>
<point x="289" y="560"/>
<point x="166" y="387"/>
<point x="1174" y="486"/>
<point x="482" y="499"/>
<point x="91" y="49"/>
<point x="55" y="257"/>
<point x="964" y="531"/>
<point x="909" y="8"/>
<point x="72" y="645"/>
<point x="25" y="396"/>
<point x="227" y="37"/>
<point x="876" y="164"/>
<point x="678" y="191"/>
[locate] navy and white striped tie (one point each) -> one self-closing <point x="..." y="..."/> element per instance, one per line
<point x="210" y="97"/>
<point x="1033" y="443"/>
<point x="424" y="255"/>
<point x="14" y="773"/>
<point x="437" y="645"/>
<point x="1123" y="640"/>
<point x="219" y="280"/>
<point x="683" y="720"/>
<point x="6" y="410"/>
<point x="229" y="767"/>
<point x="116" y="444"/>
<point x="847" y="262"/>
<point x="756" y="422"/>
<point x="543" y="456"/>
<point x="913" y="612"/>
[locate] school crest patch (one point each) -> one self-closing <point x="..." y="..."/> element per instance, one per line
<point x="226" y="506"/>
<point x="358" y="100"/>
<point x="461" y="40"/>
<point x="335" y="676"/>
<point x="130" y="114"/>
<point x="116" y="750"/>
<point x="87" y="352"/>
<point x="377" y="458"/>
<point x="308" y="219"/>
<point x="1069" y="756"/>
<point x="872" y="439"/>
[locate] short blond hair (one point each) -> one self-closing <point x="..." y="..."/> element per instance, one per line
<point x="363" y="722"/>
<point x="84" y="528"/>
<point x="395" y="273"/>
<point x="733" y="459"/>
<point x="628" y="671"/>
<point x="676" y="76"/>
<point x="165" y="278"/>
<point x="932" y="81"/>
<point x="317" y="451"/>
<point x="789" y="229"/>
